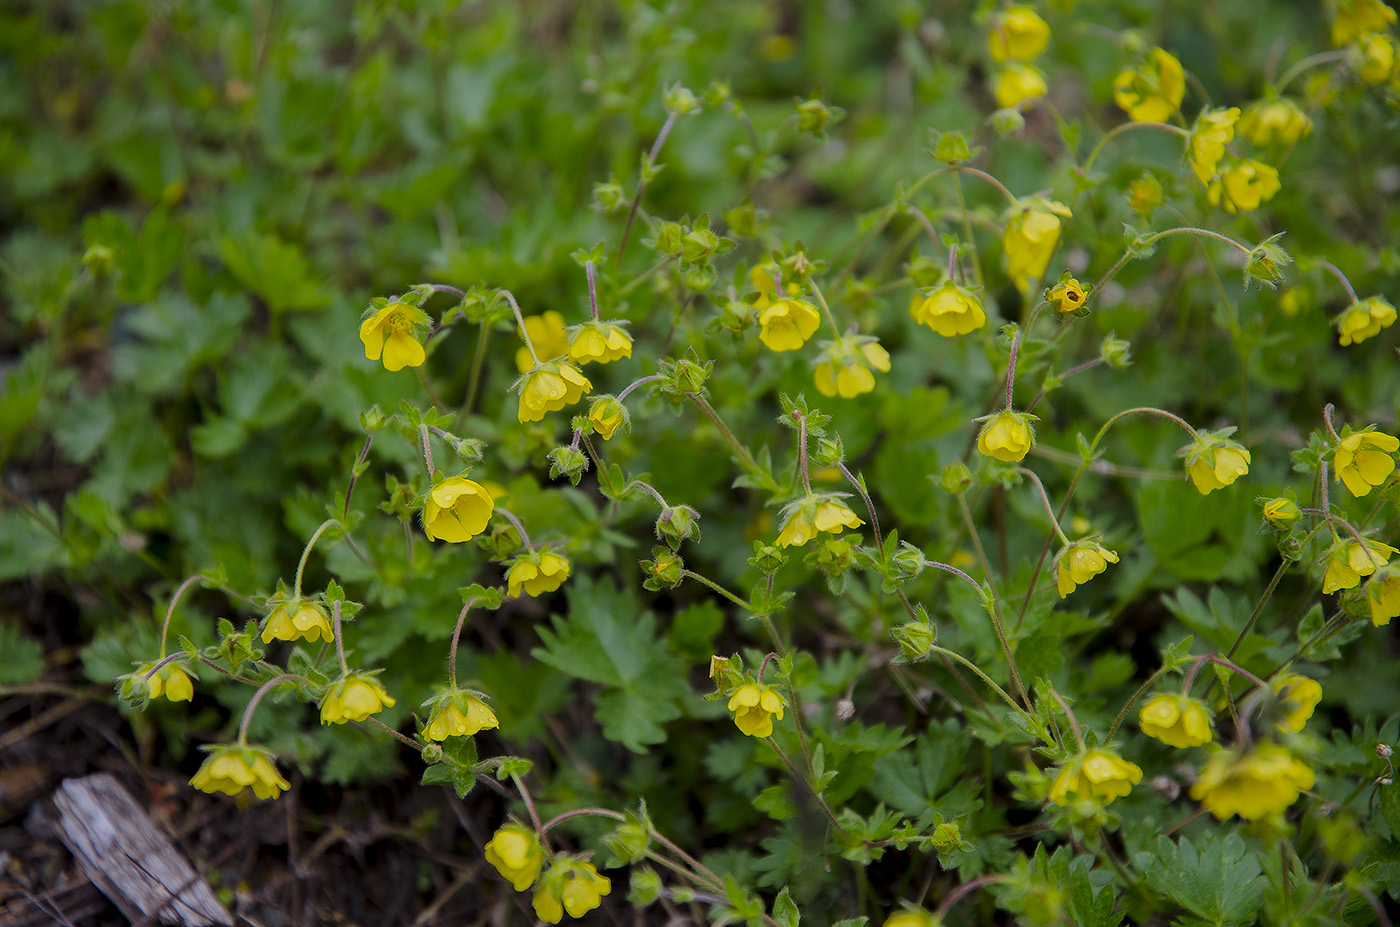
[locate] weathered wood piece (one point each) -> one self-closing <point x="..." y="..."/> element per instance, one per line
<point x="129" y="859"/>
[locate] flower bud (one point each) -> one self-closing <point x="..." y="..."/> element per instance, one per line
<point x="1115" y="353"/>
<point x="669" y="238"/>
<point x="834" y="556"/>
<point x="678" y="523"/>
<point x="1384" y="751"/>
<point x="915" y="639"/>
<point x="664" y="570"/>
<point x="947" y="837"/>
<point x="908" y="561"/>
<point x="829" y="452"/>
<point x="432" y="753"/>
<point x="956" y="478"/>
<point x="767" y="558"/>
<point x="610" y="197"/>
<point x="952" y="147"/>
<point x="373" y="420"/>
<point x="567" y="461"/>
<point x="99" y="260"/>
<point x="690" y="377"/>
<point x="814" y="116"/>
<point x="679" y="101"/>
<point x="1281" y="512"/>
<point x="1007" y="122"/>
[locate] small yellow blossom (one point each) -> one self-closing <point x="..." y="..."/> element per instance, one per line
<point x="571" y="885"/>
<point x="1068" y="296"/>
<point x="788" y="323"/>
<point x="516" y="853"/>
<point x="235" y="768"/>
<point x="1176" y="720"/>
<point x="1299" y="696"/>
<point x="1080" y="562"/>
<point x="1364" y="319"/>
<point x="606" y="415"/>
<point x="950" y="310"/>
<point x="1145" y="194"/>
<point x="1214" y="461"/>
<point x="1362" y="460"/>
<point x="457" y="509"/>
<point x="1281" y="512"/>
<point x="1032" y="234"/>
<point x="1357" y="19"/>
<point x="1275" y="122"/>
<point x="390" y="333"/>
<point x="1378" y="59"/>
<point x="1152" y="91"/>
<point x="354" y="698"/>
<point x="537" y="572"/>
<point x="762" y="278"/>
<point x="1016" y="82"/>
<point x="1383" y="595"/>
<point x="846" y="366"/>
<point x="170" y="680"/>
<point x="549" y="336"/>
<point x="1017" y="33"/>
<point x="1252" y="785"/>
<point x="912" y="917"/>
<point x="815" y="514"/>
<point x="1244" y="186"/>
<point x="1348" y="561"/>
<point x="303" y="620"/>
<point x="1213" y="130"/>
<point x="1008" y="436"/>
<point x="549" y="387"/>
<point x="599" y="342"/>
<point x="459" y="714"/>
<point x="755" y="706"/>
<point x="1096" y="774"/>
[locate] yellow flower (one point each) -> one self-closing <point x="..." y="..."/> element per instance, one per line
<point x="1383" y="595"/>
<point x="847" y="366"/>
<point x="1348" y="561"/>
<point x="912" y="917"/>
<point x="599" y="342"/>
<point x="814" y="514"/>
<point x="1031" y="236"/>
<point x="1362" y="460"/>
<point x="459" y="714"/>
<point x="1244" y="186"/>
<point x="457" y="509"/>
<point x="1359" y="18"/>
<point x="516" y="853"/>
<point x="548" y="335"/>
<point x="354" y="698"/>
<point x="572" y="885"/>
<point x="550" y="387"/>
<point x="1176" y="720"/>
<point x="1212" y="132"/>
<point x="605" y="415"/>
<point x="1067" y="296"/>
<point x="290" y="621"/>
<point x="1007" y="436"/>
<point x="390" y="332"/>
<point x="1080" y="562"/>
<point x="1145" y="194"/>
<point x="1096" y="774"/>
<point x="234" y="768"/>
<point x="1252" y="785"/>
<point x="1363" y="319"/>
<point x="170" y="681"/>
<point x="1378" y="59"/>
<point x="1299" y="696"/>
<point x="788" y="323"/>
<point x="1214" y="461"/>
<point x="1281" y="512"/>
<point x="762" y="278"/>
<point x="1152" y="91"/>
<point x="950" y="310"/>
<point x="1017" y="33"/>
<point x="755" y="706"/>
<point x="1017" y="82"/>
<point x="537" y="572"/>
<point x="1275" y="122"/>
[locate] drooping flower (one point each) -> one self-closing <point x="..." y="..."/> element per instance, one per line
<point x="170" y="681"/>
<point x="1213" y="130"/>
<point x="807" y="517"/>
<point x="1359" y="18"/>
<point x="950" y="310"/>
<point x="1299" y="696"/>
<point x="1253" y="784"/>
<point x="606" y="414"/>
<point x="571" y="884"/>
<point x="599" y="342"/>
<point x="845" y="366"/>
<point x="1213" y="460"/>
<point x="1068" y="296"/>
<point x="300" y="620"/>
<point x="1017" y="33"/>
<point x="755" y="707"/>
<point x="1281" y="512"/>
<point x="457" y="509"/>
<point x="458" y="713"/>
<point x="1348" y="561"/>
<point x="549" y="336"/>
<point x="233" y="769"/>
<point x="1096" y="774"/>
<point x="1383" y="595"/>
<point x="516" y="853"/>
<point x="788" y="323"/>
<point x="1008" y="436"/>
<point x="1152" y="91"/>
<point x="1275" y="122"/>
<point x="1244" y="186"/>
<point x="391" y="332"/>
<point x="1017" y="82"/>
<point x="1364" y="319"/>
<point x="1032" y="233"/>
<point x="1377" y="59"/>
<point x="1080" y="562"/>
<point x="1362" y="460"/>
<point x="549" y="387"/>
<point x="536" y="572"/>
<point x="1176" y="720"/>
<point x="354" y="698"/>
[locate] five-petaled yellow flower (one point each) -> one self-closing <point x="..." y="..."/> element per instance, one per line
<point x="815" y="514"/>
<point x="1275" y="122"/>
<point x="846" y="366"/>
<point x="755" y="706"/>
<point x="1018" y="82"/>
<point x="1008" y="436"/>
<point x="1252" y="785"/>
<point x="788" y="323"/>
<point x="354" y="698"/>
<point x="457" y="509"/>
<point x="1213" y="130"/>
<point x="1017" y="33"/>
<point x="1176" y="720"/>
<point x="537" y="572"/>
<point x="1244" y="186"/>
<point x="1364" y="319"/>
<point x="1214" y="461"/>
<point x="516" y="853"/>
<point x="949" y="310"/>
<point x="1067" y="296"/>
<point x="302" y="620"/>
<point x="1357" y="19"/>
<point x="170" y="681"/>
<point x="549" y="336"/>
<point x="1080" y="562"/>
<point x="1362" y="460"/>
<point x="549" y="387"/>
<point x="1348" y="561"/>
<point x="233" y="769"/>
<point x="390" y="333"/>
<point x="599" y="342"/>
<point x="459" y="714"/>
<point x="1096" y="774"/>
<point x="1383" y="595"/>
<point x="1032" y="233"/>
<point x="1299" y="696"/>
<point x="571" y="885"/>
<point x="606" y="414"/>
<point x="1152" y="91"/>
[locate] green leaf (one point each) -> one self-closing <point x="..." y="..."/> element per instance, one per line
<point x="275" y="270"/>
<point x="24" y="657"/>
<point x="1390" y="805"/>
<point x="1217" y="879"/>
<point x="784" y="910"/>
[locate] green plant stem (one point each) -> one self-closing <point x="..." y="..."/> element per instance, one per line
<point x="433" y="396"/>
<point x="355" y="475"/>
<point x="1025" y="715"/>
<point x="456" y="636"/>
<point x="826" y="310"/>
<point x="1073" y="721"/>
<point x="967" y="229"/>
<point x="1045" y="498"/>
<point x="738" y="450"/>
<point x="995" y="610"/>
<point x="339" y="639"/>
<point x="1128" y="705"/>
<point x="543" y="829"/>
<point x="306" y="552"/>
<point x="1127" y="127"/>
<point x="258" y="697"/>
<point x="642" y="184"/>
<point x="519" y="526"/>
<point x="169" y="611"/>
<point x="811" y="786"/>
<point x="483" y="341"/>
<point x="1311" y="61"/>
<point x="401" y="738"/>
<point x="691" y="574"/>
<point x="520" y="321"/>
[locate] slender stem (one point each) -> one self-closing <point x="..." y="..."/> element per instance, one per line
<point x="474" y="379"/>
<point x="1087" y="365"/>
<point x="821" y="301"/>
<point x="738" y="450"/>
<point x="718" y="588"/>
<point x="964" y="169"/>
<point x="456" y="636"/>
<point x="1073" y="721"/>
<point x="1193" y="230"/>
<point x="1127" y="706"/>
<point x="428" y="388"/>
<point x="923" y="219"/>
<point x="995" y="610"/>
<point x="520" y="321"/>
<point x="174" y="599"/>
<point x="802" y="452"/>
<point x="1258" y="608"/>
<point x="1050" y="538"/>
<point x="161" y="664"/>
<point x="650" y="489"/>
<point x="1346" y="284"/>
<point x="961" y="891"/>
<point x="510" y="517"/>
<point x="869" y="506"/>
<point x="219" y="669"/>
<point x="1054" y="522"/>
<point x="1126" y="127"/>
<point x="306" y="552"/>
<point x="339" y="639"/>
<point x="636" y="383"/>
<point x="1025" y="716"/>
<point x="642" y="184"/>
<point x="355" y="474"/>
<point x="967" y="227"/>
<point x="948" y="568"/>
<point x="427" y="450"/>
<point x="401" y="738"/>
<point x="1299" y="67"/>
<point x="644" y="275"/>
<point x="1327" y="411"/>
<point x="1011" y="368"/>
<point x="767" y="621"/>
<point x="592" y="288"/>
<point x="566" y="815"/>
<point x="811" y="786"/>
<point x="258" y="697"/>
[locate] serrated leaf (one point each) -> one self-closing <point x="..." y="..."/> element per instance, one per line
<point x="784" y="910"/>
<point x="1217" y="879"/>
